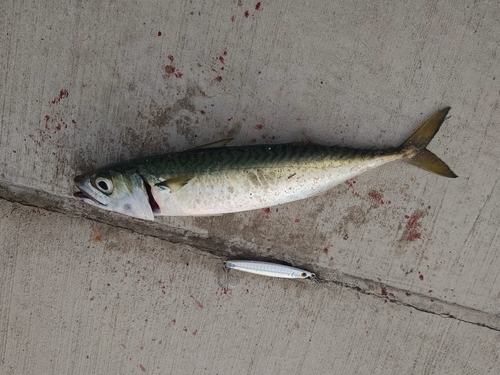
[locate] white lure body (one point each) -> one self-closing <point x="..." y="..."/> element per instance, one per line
<point x="269" y="269"/>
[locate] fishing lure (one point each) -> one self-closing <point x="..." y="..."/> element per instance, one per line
<point x="269" y="269"/>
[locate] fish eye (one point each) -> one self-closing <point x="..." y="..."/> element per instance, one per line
<point x="303" y="274"/>
<point x="104" y="184"/>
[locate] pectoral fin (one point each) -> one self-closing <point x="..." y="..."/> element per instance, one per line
<point x="176" y="183"/>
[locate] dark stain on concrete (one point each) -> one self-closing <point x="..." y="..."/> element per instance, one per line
<point x="355" y="218"/>
<point x="161" y="116"/>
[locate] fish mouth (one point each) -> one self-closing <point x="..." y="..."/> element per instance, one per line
<point x="84" y="196"/>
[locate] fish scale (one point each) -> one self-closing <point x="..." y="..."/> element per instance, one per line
<point x="260" y="156"/>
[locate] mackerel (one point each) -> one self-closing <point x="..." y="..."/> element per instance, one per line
<point x="214" y="179"/>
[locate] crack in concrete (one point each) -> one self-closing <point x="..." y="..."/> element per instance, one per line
<point x="435" y="301"/>
<point x="30" y="197"/>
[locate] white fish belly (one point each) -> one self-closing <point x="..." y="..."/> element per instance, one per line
<point x="228" y="191"/>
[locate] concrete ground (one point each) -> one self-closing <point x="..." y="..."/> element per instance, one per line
<point x="408" y="260"/>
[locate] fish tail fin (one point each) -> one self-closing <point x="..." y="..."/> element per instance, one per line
<point x="418" y="155"/>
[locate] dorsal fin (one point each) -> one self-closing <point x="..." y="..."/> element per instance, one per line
<point x="217" y="144"/>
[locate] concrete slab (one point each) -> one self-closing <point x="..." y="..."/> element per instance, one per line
<point x="87" y="84"/>
<point x="81" y="297"/>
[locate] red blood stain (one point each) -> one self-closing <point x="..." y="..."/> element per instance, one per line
<point x="408" y="294"/>
<point x="159" y="33"/>
<point x="185" y="329"/>
<point x="163" y="291"/>
<point x="195" y="332"/>
<point x="350" y="182"/>
<point x="246" y="13"/>
<point x="200" y="305"/>
<point x="384" y="291"/>
<point x="297" y="220"/>
<point x="97" y="238"/>
<point x="58" y="127"/>
<point x="171" y="58"/>
<point x="218" y="79"/>
<point x="258" y="126"/>
<point x="257" y="6"/>
<point x="169" y="70"/>
<point x="430" y="291"/>
<point x="325" y="250"/>
<point x="47" y="118"/>
<point x="202" y="112"/>
<point x="232" y="18"/>
<point x="412" y="227"/>
<point x="229" y="119"/>
<point x="385" y="301"/>
<point x="321" y="82"/>
<point x="377" y="197"/>
<point x="221" y="59"/>
<point x="62" y="94"/>
<point x="73" y="122"/>
<point x="421" y="277"/>
<point x="267" y="210"/>
<point x="178" y="74"/>
<point x="173" y="320"/>
<point x="225" y="53"/>
<point x="143" y="369"/>
<point x="392" y="295"/>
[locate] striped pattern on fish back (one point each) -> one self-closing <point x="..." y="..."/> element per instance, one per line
<point x="258" y="156"/>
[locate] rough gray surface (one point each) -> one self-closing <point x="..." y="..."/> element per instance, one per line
<point x="80" y="297"/>
<point x="412" y="254"/>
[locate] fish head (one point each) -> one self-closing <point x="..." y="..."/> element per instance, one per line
<point x="123" y="192"/>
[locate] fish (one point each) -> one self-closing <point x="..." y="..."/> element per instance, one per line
<point x="215" y="179"/>
<point x="269" y="269"/>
